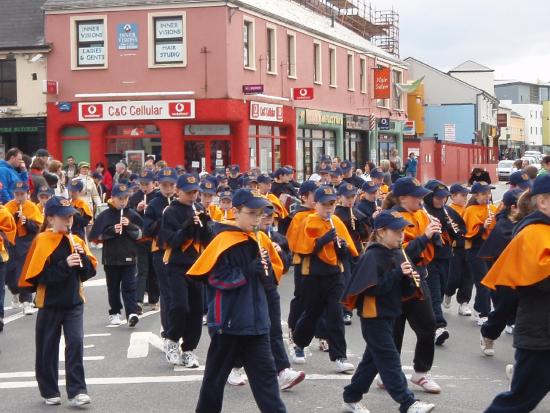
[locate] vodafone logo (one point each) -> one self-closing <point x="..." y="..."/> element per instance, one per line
<point x="179" y="109"/>
<point x="92" y="111"/>
<point x="302" y="93"/>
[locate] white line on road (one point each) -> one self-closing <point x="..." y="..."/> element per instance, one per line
<point x="95" y="283"/>
<point x="97" y="335"/>
<point x="14" y="317"/>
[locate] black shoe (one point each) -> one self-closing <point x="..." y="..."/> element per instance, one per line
<point x="441" y="335"/>
<point x="1" y="325"/>
<point x="139" y="309"/>
<point x="133" y="320"/>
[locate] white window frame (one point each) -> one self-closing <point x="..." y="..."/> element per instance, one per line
<point x="151" y="39"/>
<point x="332" y="67"/>
<point x="270" y="28"/>
<point x="251" y="43"/>
<point x="384" y="103"/>
<point x="292" y="71"/>
<point x="363" y="70"/>
<point x="317" y="63"/>
<point x="74" y="20"/>
<point x="351" y="71"/>
<point x="393" y="69"/>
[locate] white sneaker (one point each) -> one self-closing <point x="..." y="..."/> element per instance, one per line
<point x="133" y="319"/>
<point x="236" y="378"/>
<point x="298" y="355"/>
<point x="446" y="301"/>
<point x="189" y="360"/>
<point x="509" y="329"/>
<point x="464" y="310"/>
<point x="426" y="383"/>
<point x="172" y="351"/>
<point x="27" y="308"/>
<point x="204" y="320"/>
<point x="53" y="401"/>
<point x="343" y="366"/>
<point x="420" y="407"/>
<point x="289" y="378"/>
<point x="441" y="335"/>
<point x="355" y="408"/>
<point x="481" y="320"/>
<point x="115" y="320"/>
<point x="15" y="301"/>
<point x="487" y="346"/>
<point x="80" y="400"/>
<point x="323" y="345"/>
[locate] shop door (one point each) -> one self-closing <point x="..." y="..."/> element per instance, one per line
<point x="207" y="154"/>
<point x="77" y="148"/>
<point x="195" y="158"/>
<point x="220" y="155"/>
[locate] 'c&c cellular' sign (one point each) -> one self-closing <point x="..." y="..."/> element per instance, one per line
<point x="136" y="110"/>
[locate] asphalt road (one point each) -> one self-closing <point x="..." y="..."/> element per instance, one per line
<point x="148" y="383"/>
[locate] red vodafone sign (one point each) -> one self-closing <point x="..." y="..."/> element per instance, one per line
<point x="302" y="93"/>
<point x="136" y="110"/>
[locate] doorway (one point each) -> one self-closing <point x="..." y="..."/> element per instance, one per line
<point x="207" y="154"/>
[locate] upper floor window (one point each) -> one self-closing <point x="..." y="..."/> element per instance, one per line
<point x="291" y="54"/>
<point x="248" y="44"/>
<point x="332" y="66"/>
<point x="317" y="63"/>
<point x="169" y="42"/>
<point x="91" y="40"/>
<point x="351" y="72"/>
<point x="363" y="74"/>
<point x="397" y="96"/>
<point x="8" y="82"/>
<point x="271" y="50"/>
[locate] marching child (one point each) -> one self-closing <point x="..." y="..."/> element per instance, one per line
<point x="119" y="228"/>
<point x="381" y="280"/>
<point x="28" y="220"/>
<point x="56" y="266"/>
<point x="237" y="267"/>
<point x="44" y="194"/>
<point x="85" y="215"/>
<point x="208" y="192"/>
<point x="8" y="230"/>
<point x="226" y="205"/>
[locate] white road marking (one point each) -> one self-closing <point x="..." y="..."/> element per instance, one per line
<point x="97" y="335"/>
<point x="139" y="344"/>
<point x="13" y="317"/>
<point x="89" y="345"/>
<point x="100" y="282"/>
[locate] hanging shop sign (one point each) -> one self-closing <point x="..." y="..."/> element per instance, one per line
<point x="382" y="83"/>
<point x="266" y="112"/>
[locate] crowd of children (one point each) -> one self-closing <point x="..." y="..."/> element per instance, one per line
<point x="213" y="249"/>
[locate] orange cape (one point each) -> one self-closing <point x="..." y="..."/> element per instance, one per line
<point x="41" y="248"/>
<point x="215" y="212"/>
<point x="315" y="227"/>
<point x="190" y="242"/>
<point x="30" y="210"/>
<point x="458" y="209"/>
<point x="8" y="227"/>
<point x="525" y="261"/>
<point x="82" y="207"/>
<point x="227" y="239"/>
<point x="280" y="209"/>
<point x="474" y="217"/>
<point x="295" y="232"/>
<point x="420" y="222"/>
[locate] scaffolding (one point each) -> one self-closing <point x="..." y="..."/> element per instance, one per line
<point x="379" y="26"/>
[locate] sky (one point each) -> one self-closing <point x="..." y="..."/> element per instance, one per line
<point x="510" y="36"/>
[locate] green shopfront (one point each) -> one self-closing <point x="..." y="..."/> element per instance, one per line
<point x="318" y="133"/>
<point x="27" y="134"/>
<point x="389" y="136"/>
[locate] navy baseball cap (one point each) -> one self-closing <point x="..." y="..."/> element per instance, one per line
<point x="244" y="197"/>
<point x="325" y="170"/>
<point x="249" y="179"/>
<point x="346" y="166"/>
<point x="21" y="186"/>
<point x="409" y="186"/>
<point x="42" y="152"/>
<point x="45" y="190"/>
<point x="336" y="171"/>
<point x="347" y="190"/>
<point x="235" y="169"/>
<point x="146" y="176"/>
<point x="511" y="197"/>
<point x="76" y="185"/>
<point x="264" y="179"/>
<point x="306" y="187"/>
<point x="97" y="175"/>
<point x="60" y="206"/>
<point x="390" y="219"/>
<point x="438" y="188"/>
<point x="520" y="179"/>
<point x="133" y="177"/>
<point x="459" y="188"/>
<point x="269" y="209"/>
<point x="376" y="173"/>
<point x="120" y="190"/>
<point x="188" y="183"/>
<point x="478" y="187"/>
<point x="282" y="171"/>
<point x="325" y="194"/>
<point x="208" y="187"/>
<point x="541" y="185"/>
<point x="325" y="158"/>
<point x="227" y="194"/>
<point x="167" y="175"/>
<point x="370" y="187"/>
<point x="290" y="168"/>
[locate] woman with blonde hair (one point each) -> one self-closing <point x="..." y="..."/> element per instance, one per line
<point x="385" y="167"/>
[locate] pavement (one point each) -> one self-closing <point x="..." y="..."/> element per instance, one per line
<point x="127" y="372"/>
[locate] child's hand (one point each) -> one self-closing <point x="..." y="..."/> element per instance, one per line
<point x="488" y="222"/>
<point x="23" y="219"/>
<point x="125" y="221"/>
<point x="406" y="268"/>
<point x="78" y="249"/>
<point x="118" y="228"/>
<point x="141" y="206"/>
<point x="73" y="260"/>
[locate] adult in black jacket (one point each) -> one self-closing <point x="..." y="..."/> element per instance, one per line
<point x="282" y="183"/>
<point x="119" y="227"/>
<point x="479" y="175"/>
<point x="185" y="229"/>
<point x="349" y="176"/>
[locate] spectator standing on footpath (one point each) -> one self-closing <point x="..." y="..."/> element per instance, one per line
<point x="12" y="170"/>
<point x="411" y="166"/>
<point x="71" y="169"/>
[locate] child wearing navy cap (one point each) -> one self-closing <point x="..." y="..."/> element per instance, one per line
<point x="8" y="230"/>
<point x="381" y="280"/>
<point x="28" y="219"/>
<point x="118" y="228"/>
<point x="185" y="229"/>
<point x="84" y="216"/>
<point x="237" y="265"/>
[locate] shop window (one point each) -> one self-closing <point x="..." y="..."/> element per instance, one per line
<point x="266" y="147"/>
<point x="311" y="144"/>
<point x="332" y="66"/>
<point x="121" y="139"/>
<point x="291" y="54"/>
<point x="317" y="72"/>
<point x="351" y="72"/>
<point x="169" y="40"/>
<point x="363" y="74"/>
<point x="90" y="42"/>
<point x="8" y="82"/>
<point x="271" y="50"/>
<point x="252" y="151"/>
<point x="248" y="44"/>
